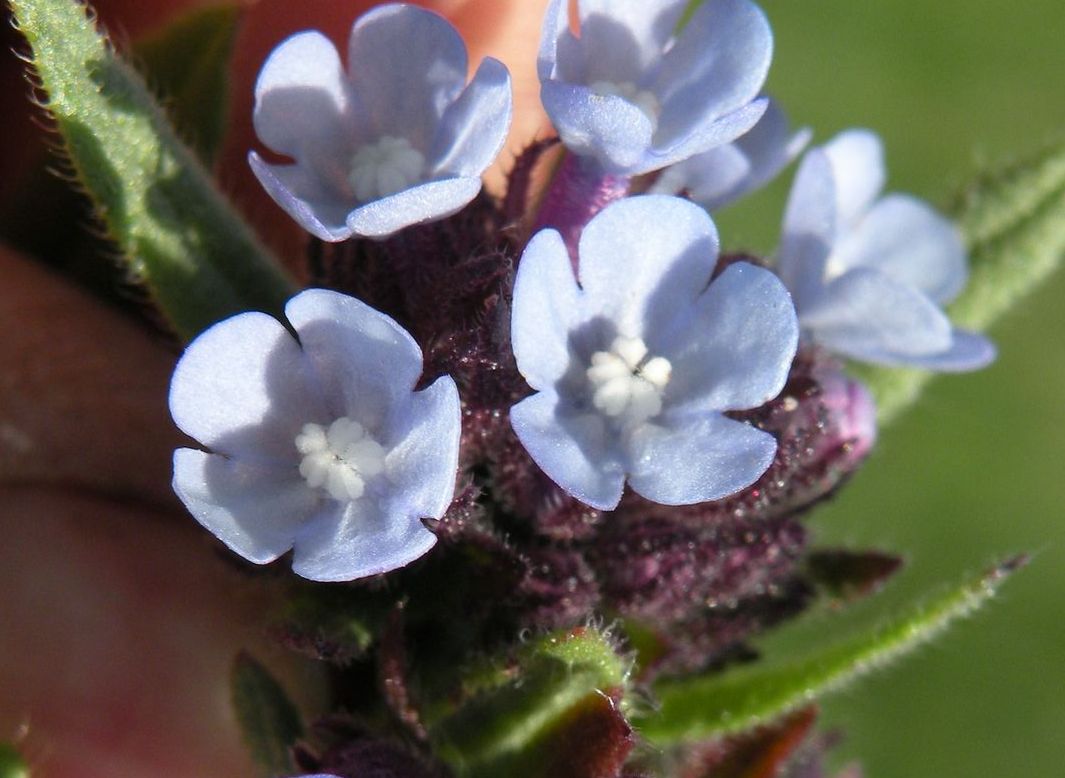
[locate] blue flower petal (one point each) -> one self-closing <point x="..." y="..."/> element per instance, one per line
<point x="407" y="64"/>
<point x="255" y="510"/>
<point x="243" y="388"/>
<point x="736" y="349"/>
<point x="545" y="310"/>
<point x="865" y="313"/>
<point x="423" y="443"/>
<point x="810" y="227"/>
<point x="685" y="459"/>
<point x="474" y="128"/>
<point x="908" y="240"/>
<point x="359" y="540"/>
<point x="573" y="449"/>
<point x="622" y="41"/>
<point x="713" y="131"/>
<point x="363" y="359"/>
<point x="717" y="178"/>
<point x="644" y="259"/>
<point x="303" y="102"/>
<point x="605" y="126"/>
<point x="856" y="158"/>
<point x="419" y="204"/>
<point x="306" y="198"/>
<point x="718" y="64"/>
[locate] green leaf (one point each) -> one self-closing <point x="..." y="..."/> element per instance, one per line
<point x="1013" y="222"/>
<point x="521" y="714"/>
<point x="187" y="66"/>
<point x="268" y="719"/>
<point x="11" y="764"/>
<point x="724" y="703"/>
<point x="176" y="232"/>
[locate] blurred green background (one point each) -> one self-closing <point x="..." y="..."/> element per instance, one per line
<point x="977" y="469"/>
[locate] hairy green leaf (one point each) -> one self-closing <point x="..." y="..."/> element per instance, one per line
<point x="724" y="703"/>
<point x="177" y="233"/>
<point x="1013" y="222"/>
<point x="522" y="715"/>
<point x="268" y="719"/>
<point x="187" y="66"/>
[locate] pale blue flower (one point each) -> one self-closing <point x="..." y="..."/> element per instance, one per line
<point x="634" y="366"/>
<point x="636" y="96"/>
<point x="719" y="177"/>
<point x="397" y="139"/>
<point x="319" y="445"/>
<point x="869" y="274"/>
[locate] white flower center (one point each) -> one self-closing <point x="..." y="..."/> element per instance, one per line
<point x="383" y="168"/>
<point x="339" y="459"/>
<point x="641" y="98"/>
<point x="626" y="384"/>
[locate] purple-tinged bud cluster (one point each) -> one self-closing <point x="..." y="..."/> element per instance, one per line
<point x="566" y="394"/>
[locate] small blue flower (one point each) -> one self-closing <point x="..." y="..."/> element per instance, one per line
<point x="398" y="139"/>
<point x="719" y="177"/>
<point x="869" y="274"/>
<point x="636" y="96"/>
<point x="319" y="445"/>
<point x="633" y="368"/>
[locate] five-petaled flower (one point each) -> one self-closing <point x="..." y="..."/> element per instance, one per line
<point x="869" y="275"/>
<point x="634" y="366"/>
<point x="636" y="95"/>
<point x="719" y="177"/>
<point x="320" y="445"/>
<point x="399" y="139"/>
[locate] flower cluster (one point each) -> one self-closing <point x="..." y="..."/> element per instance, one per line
<point x="622" y="351"/>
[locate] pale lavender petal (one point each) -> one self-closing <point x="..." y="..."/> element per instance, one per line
<point x="718" y="65"/>
<point x="604" y="126"/>
<point x="686" y="459"/>
<point x="546" y="309"/>
<point x="714" y="131"/>
<point x="706" y="178"/>
<point x="474" y="128"/>
<point x="407" y="64"/>
<point x="302" y="100"/>
<point x="906" y="239"/>
<point x="256" y="511"/>
<point x="317" y="208"/>
<point x="645" y="259"/>
<point x="735" y="350"/>
<point x="721" y="176"/>
<point x="364" y="361"/>
<point x="865" y="313"/>
<point x="423" y="443"/>
<point x="968" y="351"/>
<point x="624" y="41"/>
<point x="419" y="204"/>
<point x="574" y="450"/>
<point x="359" y="540"/>
<point x="243" y="388"/>
<point x="809" y="232"/>
<point x="857" y="161"/>
<point x="554" y="29"/>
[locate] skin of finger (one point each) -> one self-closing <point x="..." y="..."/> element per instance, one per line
<point x="82" y="390"/>
<point x="119" y="631"/>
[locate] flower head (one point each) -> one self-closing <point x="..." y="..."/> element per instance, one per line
<point x="318" y="445"/>
<point x="868" y="274"/>
<point x="719" y="177"/>
<point x="397" y="139"/>
<point x="633" y="368"/>
<point x="636" y="95"/>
